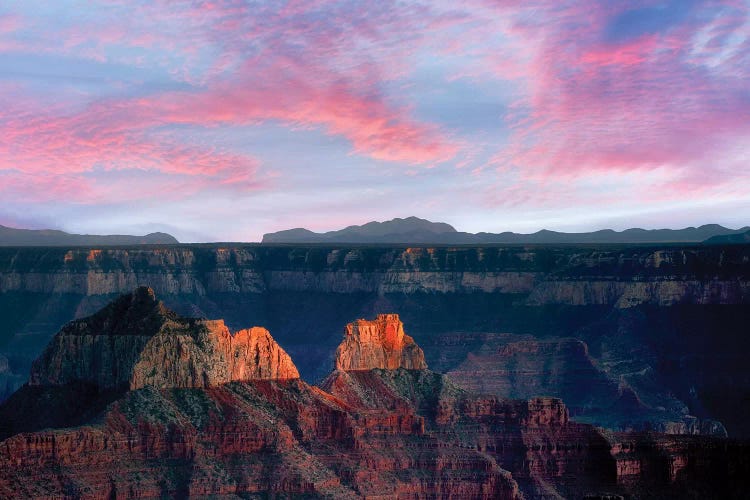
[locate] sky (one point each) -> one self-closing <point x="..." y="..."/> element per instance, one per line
<point x="221" y="120"/>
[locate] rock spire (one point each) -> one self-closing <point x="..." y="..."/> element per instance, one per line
<point x="380" y="343"/>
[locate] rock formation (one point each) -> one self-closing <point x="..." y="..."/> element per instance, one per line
<point x="621" y="277"/>
<point x="195" y="411"/>
<point x="522" y="367"/>
<point x="9" y="381"/>
<point x="380" y="343"/>
<point x="136" y="341"/>
<point x="665" y="323"/>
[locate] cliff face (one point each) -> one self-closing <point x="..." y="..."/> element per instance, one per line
<point x="245" y="439"/>
<point x="663" y="326"/>
<point x="522" y="367"/>
<point x="381" y="343"/>
<point x="136" y="341"/>
<point x="255" y="355"/>
<point x="624" y="277"/>
<point x="211" y="356"/>
<point x="250" y="427"/>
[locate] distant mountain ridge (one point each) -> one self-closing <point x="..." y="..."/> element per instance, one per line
<point x="413" y="230"/>
<point x="395" y="230"/>
<point x="732" y="238"/>
<point x="51" y="237"/>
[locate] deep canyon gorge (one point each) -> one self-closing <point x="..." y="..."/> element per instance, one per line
<point x="647" y="344"/>
<point x="137" y="401"/>
<point x="631" y="338"/>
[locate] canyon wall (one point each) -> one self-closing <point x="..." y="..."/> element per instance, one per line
<point x="657" y="332"/>
<point x="395" y="430"/>
<point x="622" y="277"/>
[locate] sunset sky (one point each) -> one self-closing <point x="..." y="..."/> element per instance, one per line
<point x="225" y="119"/>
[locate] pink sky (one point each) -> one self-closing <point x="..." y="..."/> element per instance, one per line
<point x="222" y="120"/>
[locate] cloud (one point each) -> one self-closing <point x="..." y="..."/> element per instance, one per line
<point x="544" y="102"/>
<point x="284" y="65"/>
<point x="597" y="102"/>
<point x="23" y="187"/>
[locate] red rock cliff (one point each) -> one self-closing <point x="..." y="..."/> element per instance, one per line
<point x="136" y="341"/>
<point x="380" y="343"/>
<point x="212" y="358"/>
<point x="393" y="432"/>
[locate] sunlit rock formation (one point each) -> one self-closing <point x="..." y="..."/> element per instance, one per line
<point x="136" y="401"/>
<point x="136" y="341"/>
<point x="380" y="343"/>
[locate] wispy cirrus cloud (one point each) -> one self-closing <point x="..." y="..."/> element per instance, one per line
<point x="607" y="92"/>
<point x="247" y="64"/>
<point x="535" y="103"/>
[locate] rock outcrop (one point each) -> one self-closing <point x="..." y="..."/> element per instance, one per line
<point x="621" y="277"/>
<point x="667" y="322"/>
<point x="380" y="343"/>
<point x="201" y="413"/>
<point x="523" y="367"/>
<point x="136" y="341"/>
<point x="651" y="465"/>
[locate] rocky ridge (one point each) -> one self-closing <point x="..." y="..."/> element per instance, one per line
<point x="621" y="277"/>
<point x="413" y="230"/>
<point x="665" y="323"/>
<point x="250" y="427"/>
<point x="521" y="367"/>
<point x="10" y="236"/>
<point x="136" y="341"/>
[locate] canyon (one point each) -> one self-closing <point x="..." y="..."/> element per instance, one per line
<point x="632" y="338"/>
<point x="225" y="414"/>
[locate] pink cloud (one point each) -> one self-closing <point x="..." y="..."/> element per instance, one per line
<point x="594" y="105"/>
<point x="626" y="54"/>
<point x="264" y="66"/>
<point x="117" y="134"/>
<point x="581" y="104"/>
<point x="644" y="109"/>
<point x="23" y="187"/>
<point x="9" y="23"/>
<point x="108" y="136"/>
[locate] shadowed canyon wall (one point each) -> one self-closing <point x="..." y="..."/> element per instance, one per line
<point x="629" y="337"/>
<point x="225" y="415"/>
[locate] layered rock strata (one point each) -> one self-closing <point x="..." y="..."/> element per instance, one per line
<point x="136" y="341"/>
<point x="522" y="367"/>
<point x="618" y="276"/>
<point x="666" y="323"/>
<point x="380" y="343"/>
<point x="222" y="416"/>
